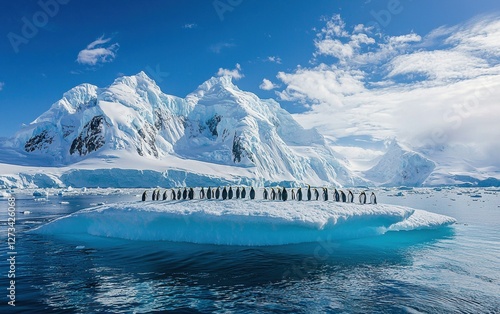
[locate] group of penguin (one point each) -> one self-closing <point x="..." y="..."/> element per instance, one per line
<point x="281" y="194"/>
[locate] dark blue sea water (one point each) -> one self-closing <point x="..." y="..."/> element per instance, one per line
<point x="450" y="270"/>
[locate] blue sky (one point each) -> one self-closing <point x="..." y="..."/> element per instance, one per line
<point x="275" y="49"/>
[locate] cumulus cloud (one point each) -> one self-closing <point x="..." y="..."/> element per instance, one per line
<point x="267" y="85"/>
<point x="98" y="52"/>
<point x="190" y="25"/>
<point x="2" y="84"/>
<point x="234" y="73"/>
<point x="430" y="91"/>
<point x="274" y="59"/>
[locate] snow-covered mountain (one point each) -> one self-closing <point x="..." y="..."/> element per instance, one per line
<point x="218" y="132"/>
<point x="400" y="166"/>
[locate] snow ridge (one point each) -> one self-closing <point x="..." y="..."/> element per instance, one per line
<point x="218" y="124"/>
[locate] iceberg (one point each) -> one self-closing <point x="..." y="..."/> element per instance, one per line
<point x="242" y="222"/>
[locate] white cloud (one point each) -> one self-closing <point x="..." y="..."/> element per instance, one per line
<point x="274" y="59"/>
<point x="234" y="73"/>
<point x="267" y="85"/>
<point x="438" y="90"/>
<point x="218" y="47"/>
<point x="190" y="25"/>
<point x="2" y="84"/>
<point x="96" y="52"/>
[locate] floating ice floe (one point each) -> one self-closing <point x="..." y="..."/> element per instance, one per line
<point x="243" y="222"/>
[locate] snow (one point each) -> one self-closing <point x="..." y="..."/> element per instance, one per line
<point x="242" y="222"/>
<point x="217" y="134"/>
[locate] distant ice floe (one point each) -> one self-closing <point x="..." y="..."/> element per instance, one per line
<point x="243" y="222"/>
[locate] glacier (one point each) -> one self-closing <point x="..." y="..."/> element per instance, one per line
<point x="131" y="134"/>
<point x="242" y="222"/>
<point x="216" y="134"/>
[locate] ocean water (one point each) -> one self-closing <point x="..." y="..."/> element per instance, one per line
<point x="449" y="270"/>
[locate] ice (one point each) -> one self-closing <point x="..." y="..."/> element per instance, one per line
<point x="242" y="222"/>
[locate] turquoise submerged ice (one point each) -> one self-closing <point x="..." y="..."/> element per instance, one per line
<point x="243" y="222"/>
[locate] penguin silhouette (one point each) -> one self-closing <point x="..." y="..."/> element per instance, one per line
<point x="165" y="195"/>
<point x="362" y="198"/>
<point x="299" y="194"/>
<point x="342" y="196"/>
<point x="209" y="193"/>
<point x="191" y="193"/>
<point x="373" y="198"/>
<point x="158" y="191"/>
<point x="252" y="193"/>
<point x="273" y="194"/>
<point x="224" y="193"/>
<point x="172" y="195"/>
<point x="237" y="192"/>
<point x="293" y="194"/>
<point x="316" y="194"/>
<point x="144" y="195"/>
<point x="350" y="198"/>
<point x="202" y="193"/>
<point x="279" y="194"/>
<point x="179" y="194"/>
<point x="336" y="196"/>
<point x="264" y="194"/>
<point x="153" y="195"/>
<point x="284" y="195"/>
<point x="309" y="195"/>
<point x="217" y="193"/>
<point x="325" y="194"/>
<point x="184" y="194"/>
<point x="230" y="193"/>
<point x="244" y="192"/>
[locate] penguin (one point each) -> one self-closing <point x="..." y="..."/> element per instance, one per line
<point x="264" y="194"/>
<point x="230" y="193"/>
<point x="209" y="193"/>
<point x="336" y="196"/>
<point x="144" y="195"/>
<point x="373" y="198"/>
<point x="202" y="193"/>
<point x="342" y="196"/>
<point x="179" y="194"/>
<point x="293" y="194"/>
<point x="153" y="195"/>
<point x="279" y="194"/>
<point x="350" y="198"/>
<point x="217" y="193"/>
<point x="273" y="194"/>
<point x="284" y="195"/>
<point x="244" y="192"/>
<point x="309" y="195"/>
<point x="191" y="193"/>
<point x="165" y="195"/>
<point x="224" y="193"/>
<point x="362" y="198"/>
<point x="158" y="191"/>
<point x="299" y="194"/>
<point x="237" y="192"/>
<point x="325" y="194"/>
<point x="316" y="194"/>
<point x="172" y="195"/>
<point x="252" y="193"/>
<point x="184" y="194"/>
